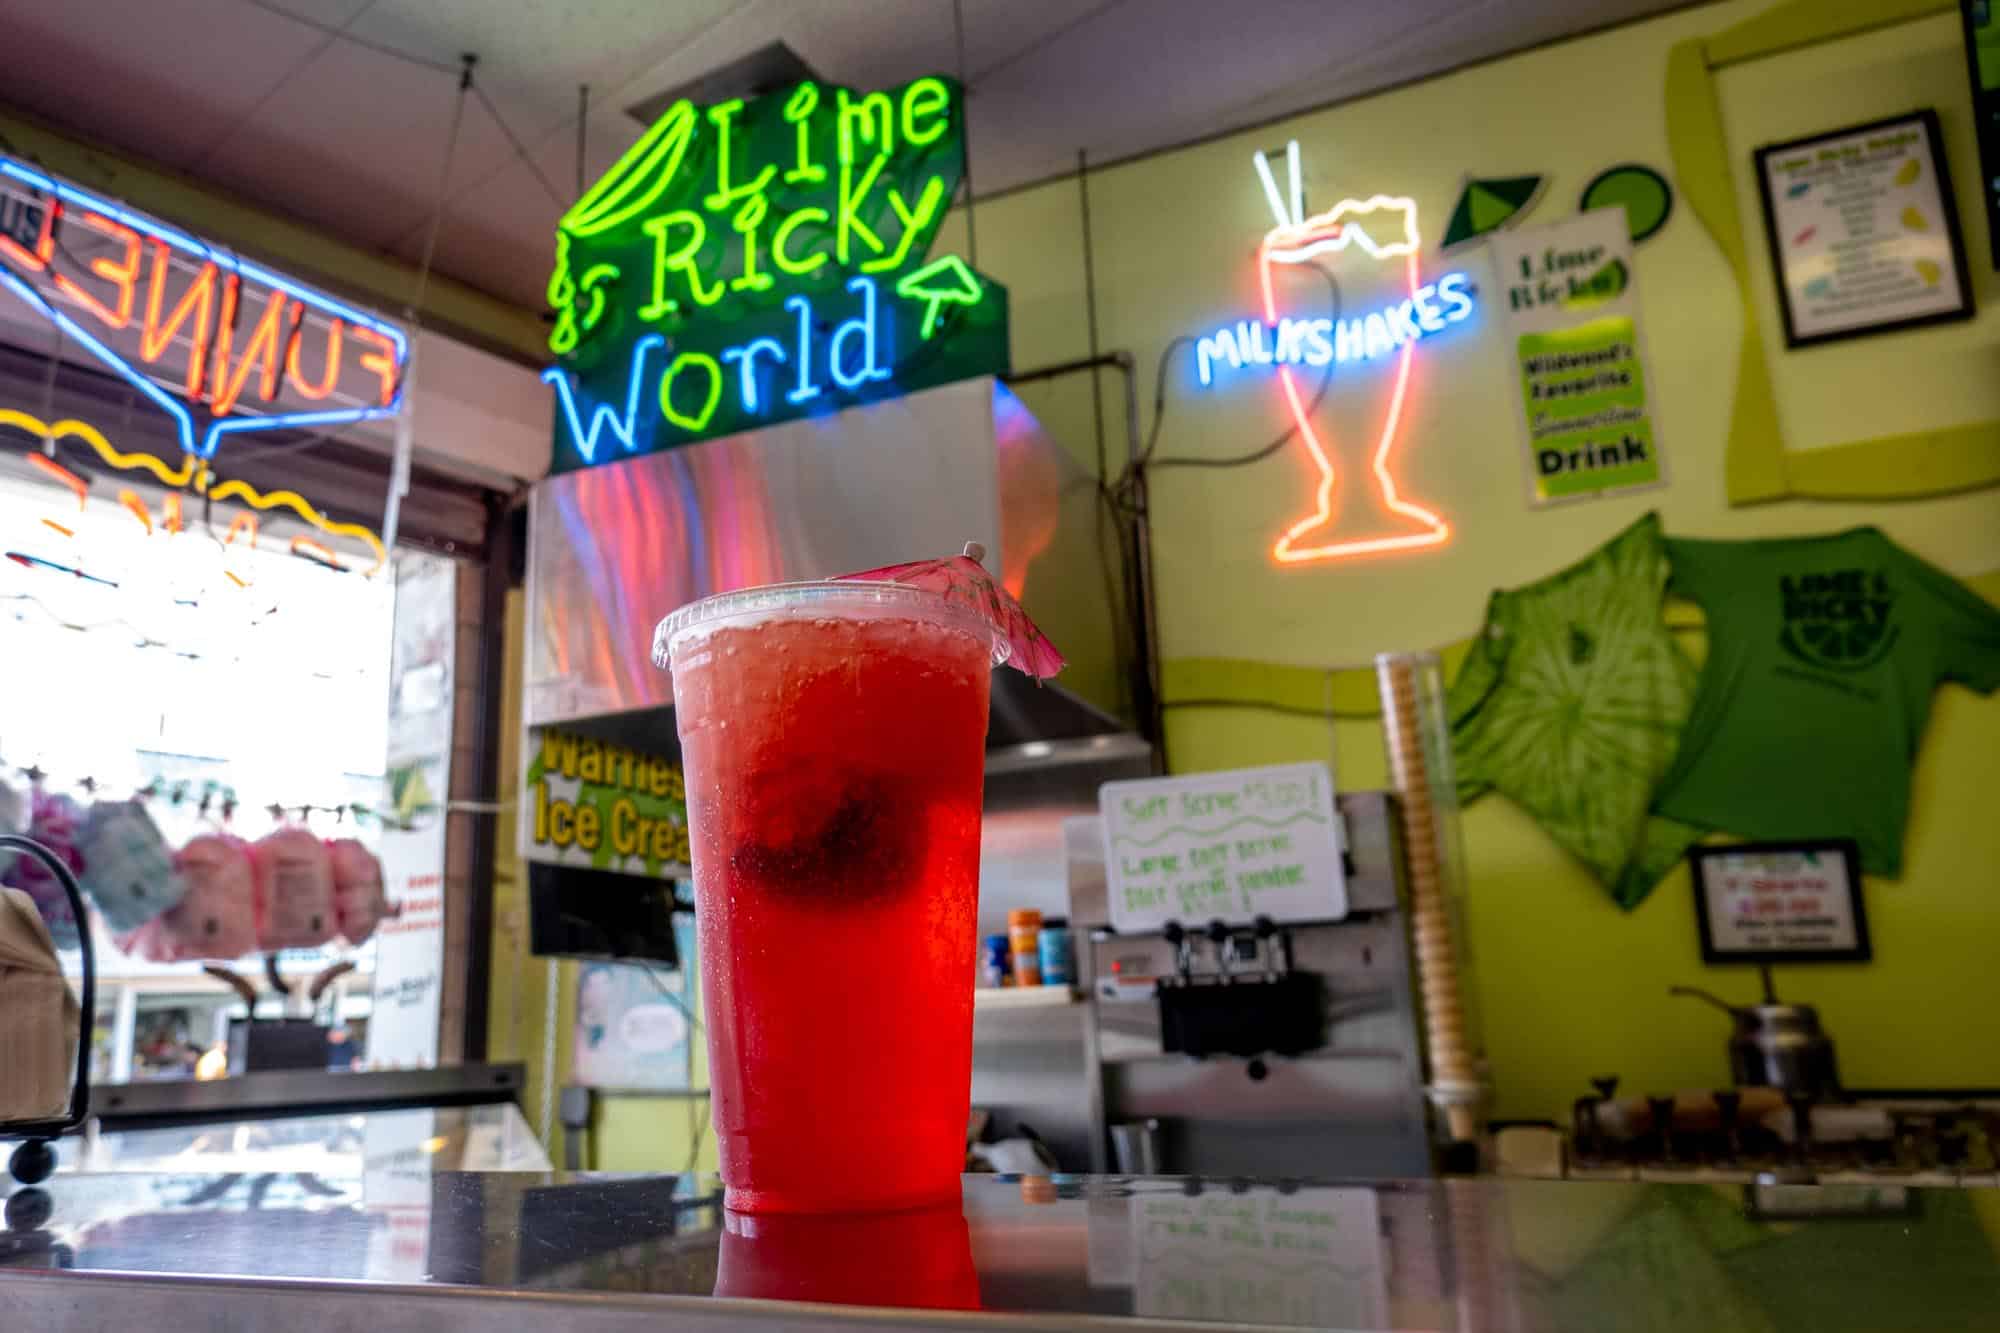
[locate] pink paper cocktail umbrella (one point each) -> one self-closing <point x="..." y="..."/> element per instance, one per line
<point x="962" y="579"/>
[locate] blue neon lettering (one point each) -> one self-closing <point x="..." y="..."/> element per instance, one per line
<point x="1403" y="323"/>
<point x="863" y="324"/>
<point x="1376" y="330"/>
<point x="1319" y="345"/>
<point x="1323" y="342"/>
<point x="1213" y="348"/>
<point x="1452" y="288"/>
<point x="1291" y="333"/>
<point x="1429" y="319"/>
<point x="1260" y="341"/>
<point x="806" y="390"/>
<point x="1349" y="343"/>
<point x="601" y="415"/>
<point x="746" y="372"/>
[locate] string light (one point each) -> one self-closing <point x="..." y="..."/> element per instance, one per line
<point x="210" y="793"/>
<point x="77" y="485"/>
<point x="136" y="507"/>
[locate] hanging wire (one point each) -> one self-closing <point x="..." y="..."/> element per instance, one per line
<point x="329" y="35"/>
<point x="341" y="33"/>
<point x="520" y="149"/>
<point x="582" y="135"/>
<point x="443" y="198"/>
<point x="965" y="130"/>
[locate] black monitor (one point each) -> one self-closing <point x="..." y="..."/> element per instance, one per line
<point x="1982" y="54"/>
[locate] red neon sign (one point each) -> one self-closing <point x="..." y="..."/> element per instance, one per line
<point x="90" y="265"/>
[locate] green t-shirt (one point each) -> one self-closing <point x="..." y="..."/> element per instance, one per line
<point x="1823" y="653"/>
<point x="1571" y="702"/>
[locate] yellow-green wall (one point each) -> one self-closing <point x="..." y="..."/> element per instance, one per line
<point x="1569" y="986"/>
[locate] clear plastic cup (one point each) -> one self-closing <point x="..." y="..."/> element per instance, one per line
<point x="834" y="740"/>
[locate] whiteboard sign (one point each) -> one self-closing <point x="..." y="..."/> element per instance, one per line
<point x="1312" y="1258"/>
<point x="1234" y="845"/>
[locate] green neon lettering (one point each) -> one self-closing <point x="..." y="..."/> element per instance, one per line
<point x="696" y="421"/>
<point x="638" y="178"/>
<point x="849" y="224"/>
<point x="798" y="111"/>
<point x="682" y="260"/>
<point x="722" y="115"/>
<point x="561" y="292"/>
<point x="921" y="100"/>
<point x="914" y="223"/>
<point x="782" y="257"/>
<point x="595" y="279"/>
<point x="748" y="219"/>
<point x="873" y="118"/>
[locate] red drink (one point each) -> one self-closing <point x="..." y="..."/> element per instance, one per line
<point x="834" y="738"/>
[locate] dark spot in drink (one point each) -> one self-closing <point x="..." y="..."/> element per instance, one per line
<point x="864" y="847"/>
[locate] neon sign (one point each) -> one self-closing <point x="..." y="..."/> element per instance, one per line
<point x="1364" y="513"/>
<point x="194" y="477"/>
<point x="222" y="345"/>
<point x="753" y="262"/>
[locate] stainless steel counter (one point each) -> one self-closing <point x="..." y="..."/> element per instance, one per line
<point x="396" y="1249"/>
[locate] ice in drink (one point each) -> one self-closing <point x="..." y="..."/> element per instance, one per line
<point x="834" y="743"/>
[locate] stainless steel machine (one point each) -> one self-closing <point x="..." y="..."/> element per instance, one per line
<point x="1319" y="1078"/>
<point x="1285" y="1052"/>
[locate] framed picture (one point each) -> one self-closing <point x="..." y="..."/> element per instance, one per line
<point x="1863" y="230"/>
<point x="1781" y="902"/>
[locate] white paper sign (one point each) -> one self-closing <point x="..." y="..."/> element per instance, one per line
<point x="1862" y="229"/>
<point x="1236" y="845"/>
<point x="1589" y="418"/>
<point x="1313" y="1258"/>
<point x="1770" y="902"/>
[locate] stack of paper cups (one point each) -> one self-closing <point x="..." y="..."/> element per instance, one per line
<point x="1419" y="745"/>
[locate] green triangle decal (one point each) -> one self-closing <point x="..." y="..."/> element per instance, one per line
<point x="1487" y="204"/>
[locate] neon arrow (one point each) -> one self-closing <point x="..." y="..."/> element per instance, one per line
<point x="941" y="280"/>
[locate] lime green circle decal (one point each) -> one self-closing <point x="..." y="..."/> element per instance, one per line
<point x="1647" y="197"/>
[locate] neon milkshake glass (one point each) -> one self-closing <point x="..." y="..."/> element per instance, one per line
<point x="834" y="740"/>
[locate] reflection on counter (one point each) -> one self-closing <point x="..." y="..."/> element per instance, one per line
<point x="472" y="1138"/>
<point x="1461" y="1254"/>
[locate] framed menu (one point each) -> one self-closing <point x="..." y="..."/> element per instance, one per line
<point x="1863" y="230"/>
<point x="1781" y="902"/>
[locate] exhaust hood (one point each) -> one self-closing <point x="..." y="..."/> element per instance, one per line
<point x="614" y="549"/>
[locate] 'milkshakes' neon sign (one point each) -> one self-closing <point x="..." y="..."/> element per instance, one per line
<point x="752" y="262"/>
<point x="222" y="345"/>
<point x="1365" y="513"/>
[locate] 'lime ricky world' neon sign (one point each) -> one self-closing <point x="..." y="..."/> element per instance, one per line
<point x="752" y="262"/>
